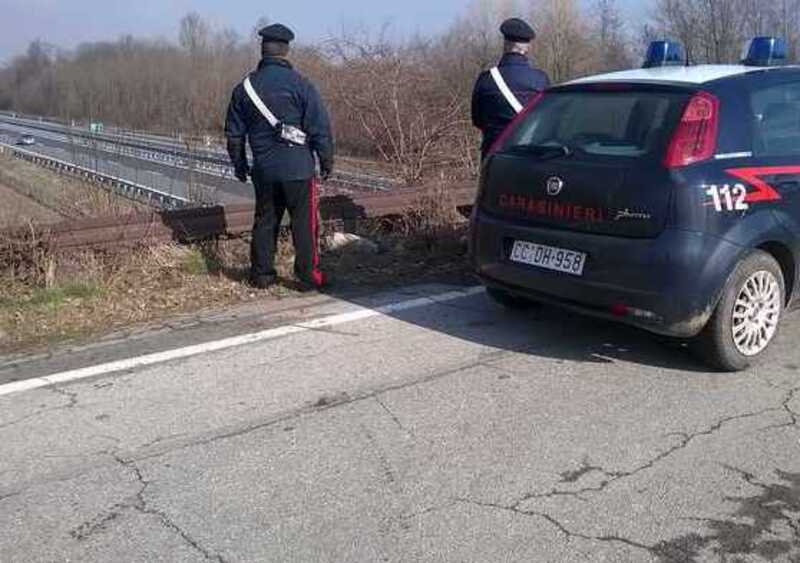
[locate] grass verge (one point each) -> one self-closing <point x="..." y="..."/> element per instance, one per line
<point x="63" y="195"/>
<point x="50" y="298"/>
<point x="80" y="296"/>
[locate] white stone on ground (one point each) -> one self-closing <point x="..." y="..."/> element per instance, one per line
<point x="351" y="242"/>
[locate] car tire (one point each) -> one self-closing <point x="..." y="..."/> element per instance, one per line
<point x="509" y="300"/>
<point x="748" y="317"/>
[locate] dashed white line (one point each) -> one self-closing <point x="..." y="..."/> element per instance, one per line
<point x="359" y="314"/>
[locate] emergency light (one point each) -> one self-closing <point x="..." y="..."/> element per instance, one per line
<point x="765" y="51"/>
<point x="664" y="53"/>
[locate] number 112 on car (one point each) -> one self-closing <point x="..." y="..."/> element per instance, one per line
<point x="727" y="198"/>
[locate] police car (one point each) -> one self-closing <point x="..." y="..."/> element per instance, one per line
<point x="666" y="197"/>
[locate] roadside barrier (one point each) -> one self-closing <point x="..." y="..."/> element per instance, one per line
<point x="119" y="186"/>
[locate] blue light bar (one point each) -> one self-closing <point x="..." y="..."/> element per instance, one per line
<point x="765" y="51"/>
<point x="664" y="53"/>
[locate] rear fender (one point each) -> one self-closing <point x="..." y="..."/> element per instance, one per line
<point x="760" y="230"/>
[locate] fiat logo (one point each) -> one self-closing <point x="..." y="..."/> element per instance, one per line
<point x="554" y="185"/>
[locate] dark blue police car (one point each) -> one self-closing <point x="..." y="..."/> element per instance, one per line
<point x="666" y="197"/>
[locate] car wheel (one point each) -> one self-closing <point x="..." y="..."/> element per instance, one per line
<point x="509" y="300"/>
<point x="747" y="319"/>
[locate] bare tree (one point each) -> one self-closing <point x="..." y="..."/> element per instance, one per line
<point x="610" y="36"/>
<point x="407" y="112"/>
<point x="194" y="33"/>
<point x="562" y="47"/>
<point x="714" y="31"/>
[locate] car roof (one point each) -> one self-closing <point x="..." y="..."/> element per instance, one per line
<point x="690" y="75"/>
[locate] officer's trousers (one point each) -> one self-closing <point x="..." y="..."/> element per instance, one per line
<point x="273" y="199"/>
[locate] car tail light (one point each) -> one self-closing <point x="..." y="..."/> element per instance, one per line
<point x="622" y="310"/>
<point x="500" y="141"/>
<point x="619" y="310"/>
<point x="695" y="139"/>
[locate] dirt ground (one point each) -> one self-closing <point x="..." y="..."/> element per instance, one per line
<point x="17" y="209"/>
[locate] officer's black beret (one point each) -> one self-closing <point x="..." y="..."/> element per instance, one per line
<point x="277" y="33"/>
<point x="517" y="30"/>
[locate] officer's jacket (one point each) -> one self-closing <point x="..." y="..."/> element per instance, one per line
<point x="491" y="112"/>
<point x="294" y="101"/>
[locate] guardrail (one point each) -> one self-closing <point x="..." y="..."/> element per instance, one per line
<point x="191" y="225"/>
<point x="119" y="186"/>
<point x="168" y="138"/>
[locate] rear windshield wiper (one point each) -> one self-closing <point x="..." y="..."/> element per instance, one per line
<point x="543" y="152"/>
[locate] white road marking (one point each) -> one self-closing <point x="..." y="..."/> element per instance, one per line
<point x="359" y="314"/>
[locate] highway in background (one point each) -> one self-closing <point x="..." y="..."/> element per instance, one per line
<point x="201" y="175"/>
<point x="164" y="176"/>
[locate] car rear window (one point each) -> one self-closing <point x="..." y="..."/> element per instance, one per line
<point x="624" y="124"/>
<point x="776" y="110"/>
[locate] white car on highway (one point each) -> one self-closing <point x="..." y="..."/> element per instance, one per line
<point x="26" y="140"/>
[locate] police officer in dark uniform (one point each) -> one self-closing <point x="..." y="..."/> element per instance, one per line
<point x="502" y="92"/>
<point x="285" y="121"/>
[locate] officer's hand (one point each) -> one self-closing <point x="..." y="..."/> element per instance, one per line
<point x="242" y="173"/>
<point x="325" y="173"/>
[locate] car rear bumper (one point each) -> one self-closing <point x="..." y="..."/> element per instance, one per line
<point x="668" y="285"/>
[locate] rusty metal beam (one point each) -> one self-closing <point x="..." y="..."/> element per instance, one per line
<point x="187" y="225"/>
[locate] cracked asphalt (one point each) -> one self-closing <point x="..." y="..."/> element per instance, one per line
<point x="454" y="432"/>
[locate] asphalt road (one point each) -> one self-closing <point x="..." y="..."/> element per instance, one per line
<point x="442" y="429"/>
<point x="167" y="178"/>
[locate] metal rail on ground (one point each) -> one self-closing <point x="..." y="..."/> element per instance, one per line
<point x="196" y="224"/>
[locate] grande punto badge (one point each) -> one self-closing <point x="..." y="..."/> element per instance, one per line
<point x="554" y="185"/>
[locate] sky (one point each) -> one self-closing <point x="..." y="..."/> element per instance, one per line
<point x="66" y="23"/>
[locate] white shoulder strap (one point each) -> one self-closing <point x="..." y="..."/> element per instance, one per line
<point x="259" y="103"/>
<point x="505" y="90"/>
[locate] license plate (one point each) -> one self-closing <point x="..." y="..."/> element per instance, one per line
<point x="549" y="257"/>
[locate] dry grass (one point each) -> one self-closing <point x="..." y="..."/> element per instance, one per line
<point x="17" y="209"/>
<point x="79" y="296"/>
<point x="91" y="293"/>
<point x="432" y="218"/>
<point x="357" y="165"/>
<point x="48" y="298"/>
<point x="64" y="195"/>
